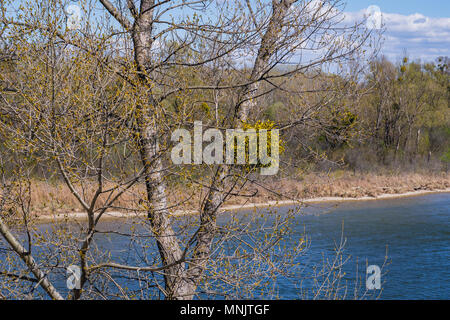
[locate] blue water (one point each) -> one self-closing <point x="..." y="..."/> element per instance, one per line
<point x="415" y="231"/>
<point x="408" y="237"/>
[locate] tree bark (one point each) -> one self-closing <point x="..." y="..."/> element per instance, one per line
<point x="158" y="214"/>
<point x="29" y="262"/>
<point x="246" y="103"/>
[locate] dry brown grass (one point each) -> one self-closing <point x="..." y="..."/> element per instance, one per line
<point x="349" y="185"/>
<point x="49" y="198"/>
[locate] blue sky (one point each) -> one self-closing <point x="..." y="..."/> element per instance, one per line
<point x="421" y="28"/>
<point x="430" y="8"/>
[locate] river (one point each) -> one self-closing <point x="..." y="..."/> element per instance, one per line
<point x="413" y="232"/>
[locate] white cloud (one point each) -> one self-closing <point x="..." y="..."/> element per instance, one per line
<point x="422" y="37"/>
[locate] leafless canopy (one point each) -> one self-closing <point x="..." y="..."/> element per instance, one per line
<point x="95" y="108"/>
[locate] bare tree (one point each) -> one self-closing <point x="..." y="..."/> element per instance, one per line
<point x="95" y="108"/>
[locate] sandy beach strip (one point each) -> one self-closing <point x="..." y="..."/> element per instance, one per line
<point x="237" y="207"/>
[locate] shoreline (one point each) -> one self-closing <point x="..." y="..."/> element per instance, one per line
<point x="240" y="207"/>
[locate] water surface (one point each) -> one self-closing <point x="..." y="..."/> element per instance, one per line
<point x="416" y="231"/>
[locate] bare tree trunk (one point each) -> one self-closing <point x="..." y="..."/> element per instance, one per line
<point x="30" y="262"/>
<point x="168" y="246"/>
<point x="418" y="141"/>
<point x="217" y="192"/>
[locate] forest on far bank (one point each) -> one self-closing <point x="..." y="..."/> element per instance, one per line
<point x="395" y="117"/>
<point x="89" y="105"/>
<point x="399" y="120"/>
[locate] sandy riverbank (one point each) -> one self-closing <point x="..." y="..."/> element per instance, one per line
<point x="238" y="207"/>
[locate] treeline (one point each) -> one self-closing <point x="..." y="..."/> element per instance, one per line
<point x="395" y="116"/>
<point x="399" y="117"/>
